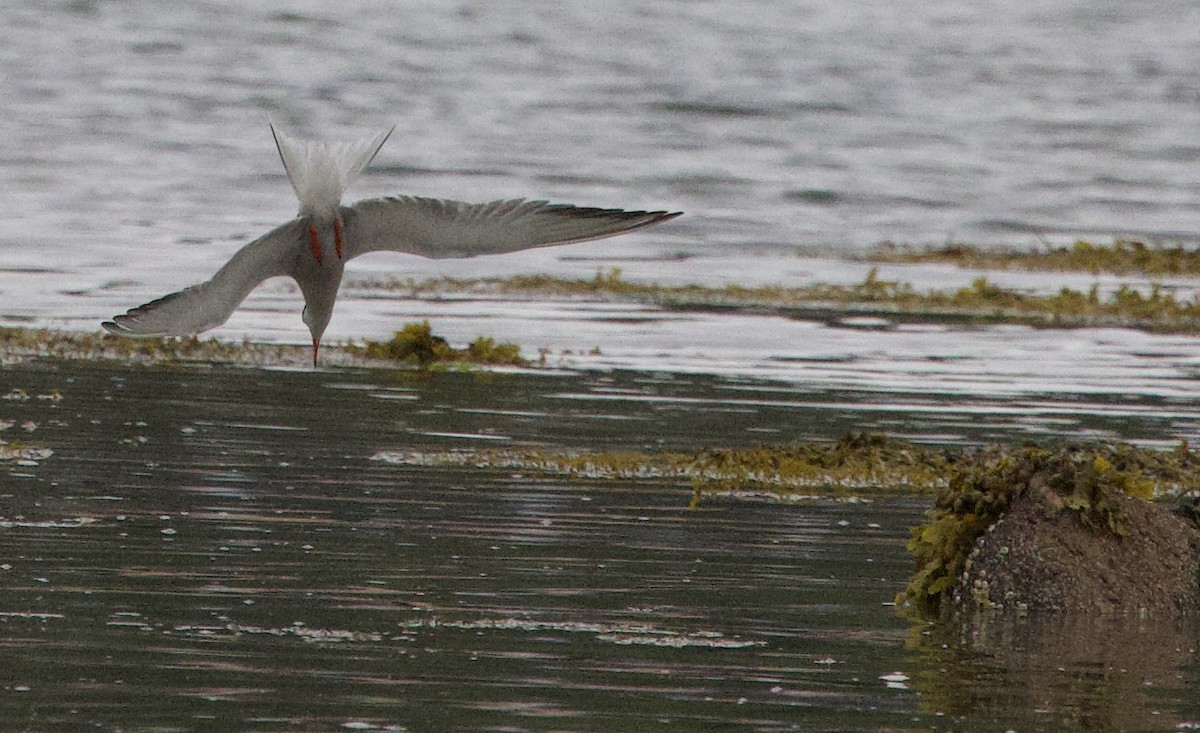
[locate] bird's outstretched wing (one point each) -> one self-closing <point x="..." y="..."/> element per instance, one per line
<point x="210" y="304"/>
<point x="441" y="229"/>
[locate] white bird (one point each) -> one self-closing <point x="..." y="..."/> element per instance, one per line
<point x="313" y="248"/>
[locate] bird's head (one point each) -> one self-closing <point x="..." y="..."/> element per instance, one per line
<point x="316" y="314"/>
<point x="316" y="323"/>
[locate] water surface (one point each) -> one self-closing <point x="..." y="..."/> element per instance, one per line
<point x="136" y="155"/>
<point x="214" y="548"/>
<point x="219" y="548"/>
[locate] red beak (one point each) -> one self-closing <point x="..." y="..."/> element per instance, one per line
<point x="316" y="346"/>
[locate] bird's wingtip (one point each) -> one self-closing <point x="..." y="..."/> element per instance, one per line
<point x="117" y="328"/>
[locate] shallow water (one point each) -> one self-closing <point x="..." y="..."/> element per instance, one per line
<point x="136" y="159"/>
<point x="216" y="549"/>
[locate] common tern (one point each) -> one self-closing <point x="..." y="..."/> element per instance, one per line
<point x="314" y="247"/>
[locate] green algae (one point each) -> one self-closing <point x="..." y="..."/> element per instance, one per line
<point x="857" y="462"/>
<point x="1155" y="309"/>
<point x="417" y="344"/>
<point x="485" y="350"/>
<point x="1123" y="257"/>
<point x="414" y="344"/>
<point x="870" y="462"/>
<point x="18" y="342"/>
<point x="1084" y="481"/>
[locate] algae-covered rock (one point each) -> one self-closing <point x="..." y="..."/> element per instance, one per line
<point x="1071" y="529"/>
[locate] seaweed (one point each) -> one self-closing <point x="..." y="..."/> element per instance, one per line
<point x="1123" y="257"/>
<point x="41" y="342"/>
<point x="856" y="462"/>
<point x="416" y="343"/>
<point x="1154" y="308"/>
<point x="413" y="343"/>
<point x="485" y="350"/>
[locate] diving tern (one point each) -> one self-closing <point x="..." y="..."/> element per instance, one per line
<point x="314" y="247"/>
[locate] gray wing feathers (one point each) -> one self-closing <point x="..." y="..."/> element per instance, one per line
<point x="210" y="303"/>
<point x="442" y="229"/>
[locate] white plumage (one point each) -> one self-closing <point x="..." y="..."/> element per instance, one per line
<point x="313" y="247"/>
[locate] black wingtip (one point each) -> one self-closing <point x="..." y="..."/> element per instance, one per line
<point x="651" y="217"/>
<point x="655" y="217"/>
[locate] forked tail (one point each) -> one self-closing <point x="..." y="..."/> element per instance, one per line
<point x="320" y="172"/>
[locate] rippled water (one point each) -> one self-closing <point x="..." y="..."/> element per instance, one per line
<point x="217" y="549"/>
<point x="132" y="131"/>
<point x="136" y="158"/>
<point x="136" y="155"/>
<point x="214" y="549"/>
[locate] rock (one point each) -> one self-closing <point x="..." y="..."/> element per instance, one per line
<point x="1071" y="529"/>
<point x="1039" y="557"/>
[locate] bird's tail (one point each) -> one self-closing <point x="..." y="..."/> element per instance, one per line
<point x="321" y="171"/>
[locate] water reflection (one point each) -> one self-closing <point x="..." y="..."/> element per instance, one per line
<point x="1059" y="673"/>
